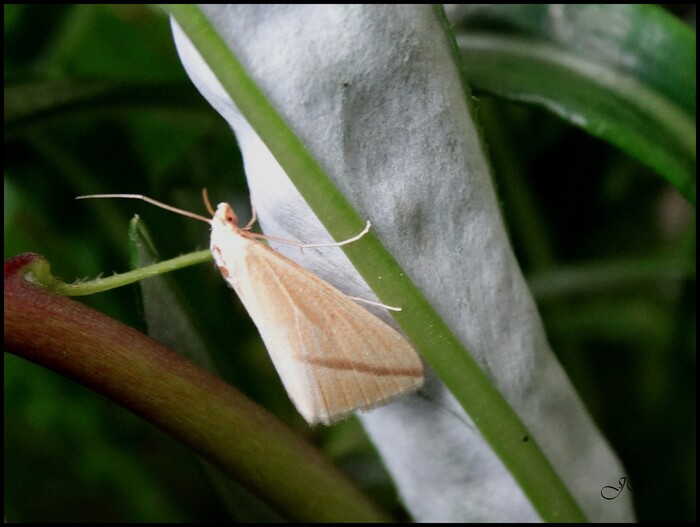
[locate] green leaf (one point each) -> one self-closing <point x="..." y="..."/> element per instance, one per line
<point x="165" y="312"/>
<point x="624" y="73"/>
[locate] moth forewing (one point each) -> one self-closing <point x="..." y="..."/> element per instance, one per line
<point x="333" y="356"/>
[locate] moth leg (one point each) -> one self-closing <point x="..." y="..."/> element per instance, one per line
<point x="372" y="303"/>
<point x="253" y="219"/>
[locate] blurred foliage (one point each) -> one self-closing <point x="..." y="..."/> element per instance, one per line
<point x="96" y="101"/>
<point x="623" y="72"/>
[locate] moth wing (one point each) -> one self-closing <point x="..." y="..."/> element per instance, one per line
<point x="333" y="356"/>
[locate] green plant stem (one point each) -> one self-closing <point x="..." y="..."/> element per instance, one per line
<point x="40" y="274"/>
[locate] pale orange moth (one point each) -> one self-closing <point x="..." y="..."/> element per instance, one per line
<point x="333" y="356"/>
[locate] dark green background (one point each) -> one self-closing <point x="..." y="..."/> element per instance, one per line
<point x="97" y="101"/>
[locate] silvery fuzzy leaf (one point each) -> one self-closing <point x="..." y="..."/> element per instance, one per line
<point x="375" y="95"/>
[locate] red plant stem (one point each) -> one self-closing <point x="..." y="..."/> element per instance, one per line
<point x="185" y="401"/>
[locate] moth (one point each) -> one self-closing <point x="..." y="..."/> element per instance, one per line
<point x="333" y="356"/>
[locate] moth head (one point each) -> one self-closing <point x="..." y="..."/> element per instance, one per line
<point x="225" y="216"/>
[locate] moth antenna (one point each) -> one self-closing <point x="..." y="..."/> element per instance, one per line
<point x="152" y="202"/>
<point x="207" y="203"/>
